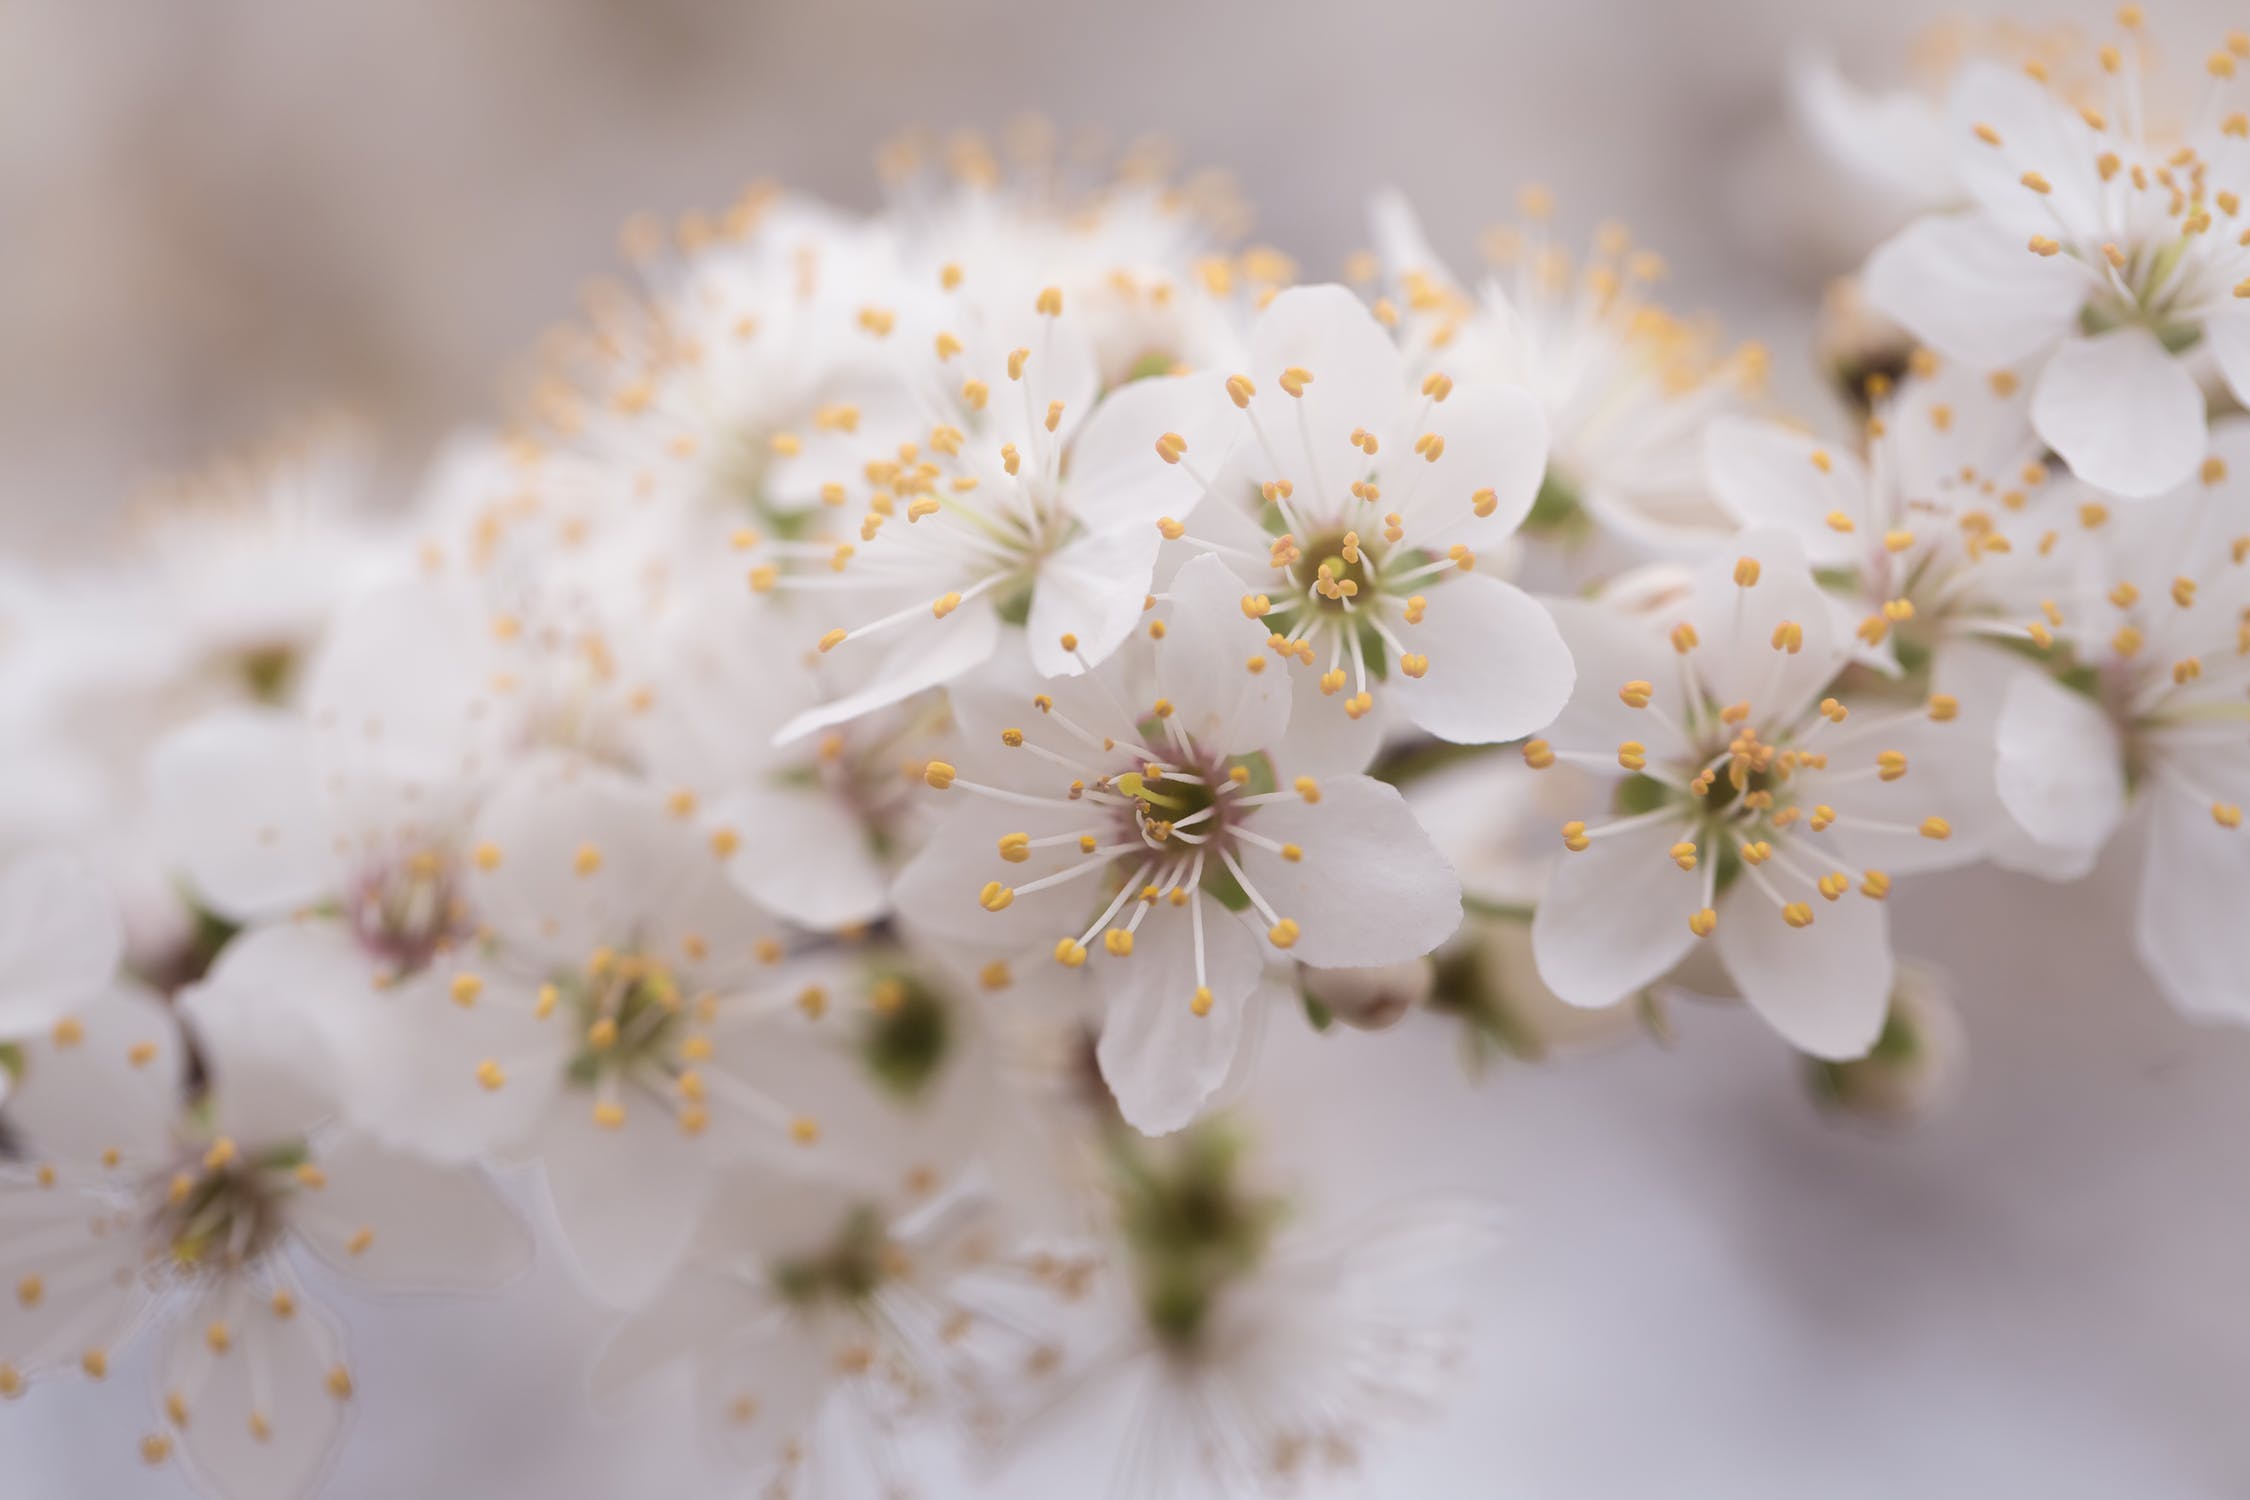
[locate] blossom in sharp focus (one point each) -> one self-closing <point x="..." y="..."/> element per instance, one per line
<point x="1747" y="805"/>
<point x="131" y="1205"/>
<point x="1377" y="499"/>
<point x="1033" y="497"/>
<point x="2105" y="243"/>
<point x="1148" y="815"/>
<point x="1626" y="387"/>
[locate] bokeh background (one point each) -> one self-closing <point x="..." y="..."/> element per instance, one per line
<point x="217" y="215"/>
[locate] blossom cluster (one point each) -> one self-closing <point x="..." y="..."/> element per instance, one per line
<point x="810" y="821"/>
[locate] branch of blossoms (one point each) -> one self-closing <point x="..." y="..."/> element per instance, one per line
<point x="811" y="823"/>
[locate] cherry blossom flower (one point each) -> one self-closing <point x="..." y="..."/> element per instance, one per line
<point x="1380" y="498"/>
<point x="129" y="1208"/>
<point x="1033" y="498"/>
<point x="2100" y="247"/>
<point x="1752" y="807"/>
<point x="1148" y="812"/>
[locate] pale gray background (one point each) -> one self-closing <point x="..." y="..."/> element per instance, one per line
<point x="217" y="215"/>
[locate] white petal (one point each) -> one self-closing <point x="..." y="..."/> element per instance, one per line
<point x="588" y="857"/>
<point x="1358" y="380"/>
<point x="627" y="1198"/>
<point x="2038" y="133"/>
<point x="401" y="701"/>
<point x="1323" y="739"/>
<point x="401" y="1223"/>
<point x="418" y="1079"/>
<point x="931" y="653"/>
<point x="60" y="941"/>
<point x="809" y="859"/>
<point x="88" y="1290"/>
<point x="695" y="1311"/>
<point x="1615" y="916"/>
<point x="1498" y="666"/>
<point x="1202" y="664"/>
<point x="1117" y="477"/>
<point x="2190" y="929"/>
<point x="2123" y="413"/>
<point x="1766" y="475"/>
<point x="1495" y="439"/>
<point x="1093" y="590"/>
<point x="2059" y="768"/>
<point x="112" y="1080"/>
<point x="1737" y="660"/>
<point x="1972" y="291"/>
<point x="937" y="893"/>
<point x="1371" y="887"/>
<point x="274" y="1377"/>
<point x="1609" y="649"/>
<point x="273" y="1019"/>
<point x="761" y="1391"/>
<point x="237" y="811"/>
<point x="1825" y="988"/>
<point x="1161" y="1059"/>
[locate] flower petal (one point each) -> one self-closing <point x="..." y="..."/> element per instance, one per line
<point x="1615" y="916"/>
<point x="1202" y="664"/>
<point x="112" y="1081"/>
<point x="1769" y="475"/>
<point x="1358" y="380"/>
<point x="1161" y="1059"/>
<point x="265" y="1416"/>
<point x="627" y="1197"/>
<point x="2189" y="929"/>
<point x="830" y="876"/>
<point x="1498" y="668"/>
<point x="931" y="653"/>
<point x="1118" y="480"/>
<point x="2059" y="768"/>
<point x="60" y="941"/>
<point x="2228" y="333"/>
<point x="1973" y="292"/>
<point x="238" y="811"/>
<point x="1093" y="591"/>
<point x="1827" y="987"/>
<point x="1370" y="888"/>
<point x="1495" y="438"/>
<point x="401" y="1223"/>
<point x="274" y="1019"/>
<point x="2123" y="413"/>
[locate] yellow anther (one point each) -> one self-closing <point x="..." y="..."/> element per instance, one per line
<point x="938" y="775"/>
<point x="1201" y="1003"/>
<point x="1874" y="884"/>
<point x="1119" y="942"/>
<point x="1636" y="694"/>
<point x="1016" y="359"/>
<point x="1307" y="788"/>
<point x="1240" y="388"/>
<point x="1683" y="855"/>
<point x="1936" y="828"/>
<point x="1050" y="302"/>
<point x="1789" y="636"/>
<point x="1414" y="664"/>
<point x="1703" y="923"/>
<point x="2227" y="814"/>
<point x="155" y="1448"/>
<point x="489" y="1074"/>
<point x="1838" y="521"/>
<point x="31" y="1291"/>
<point x="1746" y="572"/>
<point x="2037" y="183"/>
<point x="1070" y="953"/>
<point x="1574" y="836"/>
<point x="1538" y="754"/>
<point x="1632" y="755"/>
<point x="1295" y="379"/>
<point x="1797" y="914"/>
<point x="1890" y="764"/>
<point x="724" y="841"/>
<point x="1283" y="934"/>
<point x="465" y="989"/>
<point x="1897" y="541"/>
<point x="602" y="1035"/>
<point x="339" y="1383"/>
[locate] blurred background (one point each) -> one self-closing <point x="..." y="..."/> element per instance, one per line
<point x="222" y="215"/>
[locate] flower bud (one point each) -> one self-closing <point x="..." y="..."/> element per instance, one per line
<point x="1369" y="999"/>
